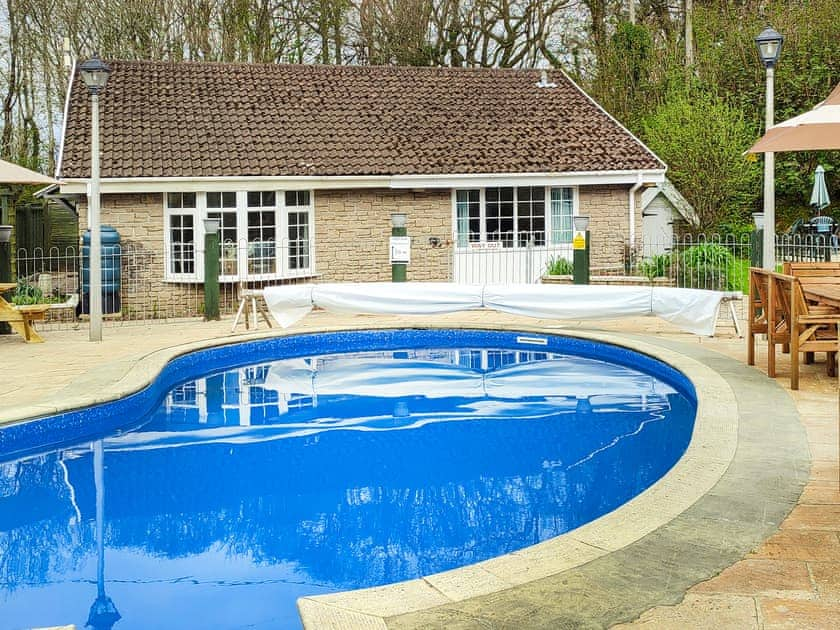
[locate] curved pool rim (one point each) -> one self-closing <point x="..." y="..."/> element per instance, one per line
<point x="554" y="569"/>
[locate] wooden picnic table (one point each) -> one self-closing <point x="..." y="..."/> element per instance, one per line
<point x="20" y="318"/>
<point x="825" y="294"/>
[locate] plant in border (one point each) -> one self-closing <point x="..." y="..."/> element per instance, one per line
<point x="559" y="266"/>
<point x="706" y="266"/>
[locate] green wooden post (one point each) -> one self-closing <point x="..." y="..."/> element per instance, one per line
<point x="756" y="243"/>
<point x="211" y="269"/>
<point x="580" y="251"/>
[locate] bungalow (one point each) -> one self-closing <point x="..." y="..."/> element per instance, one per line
<point x="305" y="164"/>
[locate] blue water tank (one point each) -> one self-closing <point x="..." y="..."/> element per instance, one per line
<point x="111" y="265"/>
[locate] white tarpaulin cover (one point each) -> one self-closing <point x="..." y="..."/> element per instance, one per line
<point x="692" y="310"/>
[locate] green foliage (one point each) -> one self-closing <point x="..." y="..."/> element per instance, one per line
<point x="657" y="266"/>
<point x="559" y="266"/>
<point x="738" y="276"/>
<point x="736" y="230"/>
<point x="727" y="70"/>
<point x="707" y="266"/>
<point x="627" y="61"/>
<point x="26" y="293"/>
<point x="702" y="139"/>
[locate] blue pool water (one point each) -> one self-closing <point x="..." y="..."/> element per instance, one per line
<point x="253" y="474"/>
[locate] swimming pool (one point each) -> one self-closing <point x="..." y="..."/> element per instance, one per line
<point x="266" y="478"/>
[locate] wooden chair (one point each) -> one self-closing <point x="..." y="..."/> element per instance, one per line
<point x="805" y="328"/>
<point x="756" y="309"/>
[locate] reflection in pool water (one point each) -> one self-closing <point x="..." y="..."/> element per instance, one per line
<point x="251" y="487"/>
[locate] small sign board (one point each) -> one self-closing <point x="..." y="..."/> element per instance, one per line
<point x="486" y="245"/>
<point x="400" y="250"/>
<point x="579" y="240"/>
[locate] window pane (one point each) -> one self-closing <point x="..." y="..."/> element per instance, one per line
<point x="214" y="200"/>
<point x="254" y="200"/>
<point x="182" y="244"/>
<point x="499" y="219"/>
<point x="530" y="216"/>
<point x="188" y="200"/>
<point x="173" y="200"/>
<point x="261" y="242"/>
<point x="297" y="198"/>
<point x="298" y="240"/>
<point x="468" y="212"/>
<point x="561" y="215"/>
<point x="229" y="199"/>
<point x="227" y="241"/>
<point x="268" y="198"/>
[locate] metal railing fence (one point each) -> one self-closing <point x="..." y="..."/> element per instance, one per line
<point x="135" y="288"/>
<point x="719" y="262"/>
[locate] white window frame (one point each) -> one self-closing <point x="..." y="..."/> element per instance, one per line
<point x="198" y="235"/>
<point x="281" y="227"/>
<point x="483" y="241"/>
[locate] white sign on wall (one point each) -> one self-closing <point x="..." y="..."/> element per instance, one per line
<point x="400" y="250"/>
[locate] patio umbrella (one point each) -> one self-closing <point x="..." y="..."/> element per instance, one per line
<point x="15" y="174"/>
<point x="819" y="195"/>
<point x="815" y="130"/>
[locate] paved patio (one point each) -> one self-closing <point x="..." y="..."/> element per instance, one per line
<point x="791" y="580"/>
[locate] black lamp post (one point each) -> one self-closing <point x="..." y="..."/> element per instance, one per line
<point x="95" y="75"/>
<point x="769" y="44"/>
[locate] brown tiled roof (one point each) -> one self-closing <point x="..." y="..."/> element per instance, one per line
<point x="212" y="119"/>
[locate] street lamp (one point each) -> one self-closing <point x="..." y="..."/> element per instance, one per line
<point x="769" y="44"/>
<point x="95" y="75"/>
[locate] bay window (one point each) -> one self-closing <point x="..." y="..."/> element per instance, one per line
<point x="264" y="235"/>
<point x="514" y="216"/>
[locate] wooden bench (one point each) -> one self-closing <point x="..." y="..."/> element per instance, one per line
<point x="21" y="319"/>
<point x="792" y="322"/>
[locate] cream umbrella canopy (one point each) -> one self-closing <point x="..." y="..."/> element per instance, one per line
<point x="815" y="130"/>
<point x="14" y="174"/>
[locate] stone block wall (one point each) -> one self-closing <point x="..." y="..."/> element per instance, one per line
<point x="352" y="228"/>
<point x="609" y="227"/>
<point x="139" y="220"/>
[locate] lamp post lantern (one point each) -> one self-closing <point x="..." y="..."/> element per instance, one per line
<point x="769" y="44"/>
<point x="95" y="75"/>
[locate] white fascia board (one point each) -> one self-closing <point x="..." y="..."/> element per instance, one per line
<point x="200" y="184"/>
<point x="586" y="178"/>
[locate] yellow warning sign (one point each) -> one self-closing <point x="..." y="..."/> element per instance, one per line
<point x="579" y="241"/>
